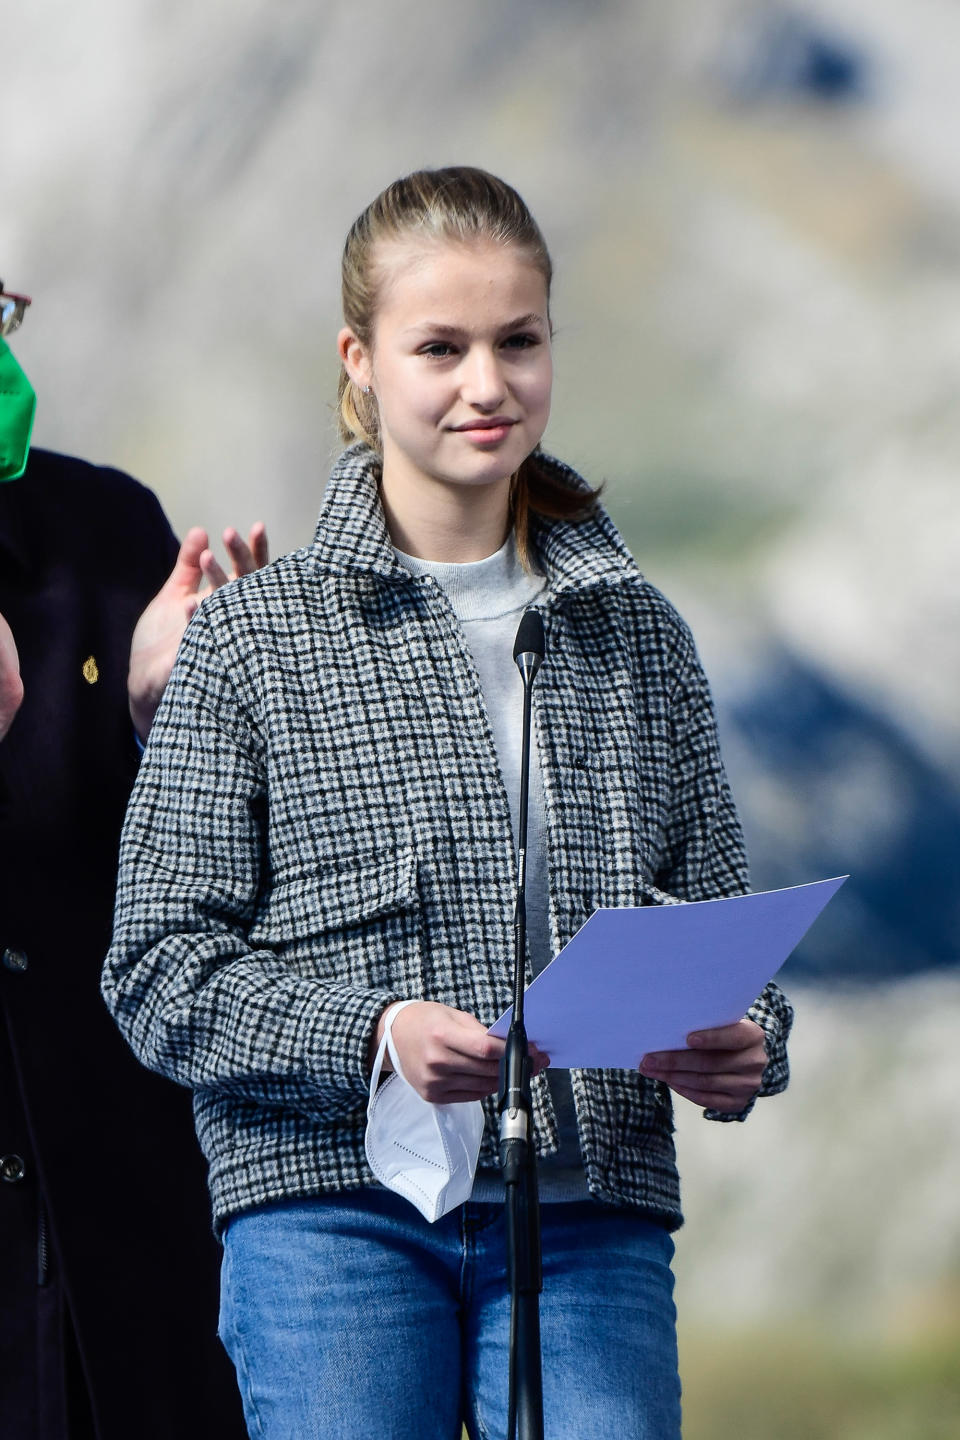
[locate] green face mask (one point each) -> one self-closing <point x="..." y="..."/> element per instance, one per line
<point x="18" y="402"/>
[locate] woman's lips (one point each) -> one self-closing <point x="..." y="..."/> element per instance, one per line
<point x="486" y="432"/>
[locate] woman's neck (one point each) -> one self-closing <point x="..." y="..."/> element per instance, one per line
<point x="446" y="522"/>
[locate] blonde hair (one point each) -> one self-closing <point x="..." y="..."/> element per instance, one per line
<point x="459" y="203"/>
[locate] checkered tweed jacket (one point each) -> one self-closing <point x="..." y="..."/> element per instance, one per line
<point x="320" y="827"/>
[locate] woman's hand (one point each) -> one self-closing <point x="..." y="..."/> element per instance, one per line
<point x="446" y="1054"/>
<point x="721" y="1071"/>
<point x="196" y="574"/>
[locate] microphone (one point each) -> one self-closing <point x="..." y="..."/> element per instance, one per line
<point x="530" y="644"/>
<point x="518" y="1161"/>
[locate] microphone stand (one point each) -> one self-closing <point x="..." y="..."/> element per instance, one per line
<point x="518" y="1159"/>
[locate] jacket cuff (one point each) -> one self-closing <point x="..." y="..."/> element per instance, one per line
<point x="339" y="1043"/>
<point x="774" y="1014"/>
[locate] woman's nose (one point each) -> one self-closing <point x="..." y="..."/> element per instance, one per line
<point x="482" y="383"/>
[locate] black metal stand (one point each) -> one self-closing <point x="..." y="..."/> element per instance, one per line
<point x="518" y="1158"/>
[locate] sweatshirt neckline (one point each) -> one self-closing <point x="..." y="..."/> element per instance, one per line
<point x="480" y="589"/>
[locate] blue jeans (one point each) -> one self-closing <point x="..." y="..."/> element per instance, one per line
<point x="350" y="1317"/>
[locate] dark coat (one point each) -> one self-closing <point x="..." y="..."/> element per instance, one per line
<point x="108" y="1268"/>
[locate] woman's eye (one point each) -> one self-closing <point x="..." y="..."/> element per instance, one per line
<point x="438" y="349"/>
<point x="520" y="342"/>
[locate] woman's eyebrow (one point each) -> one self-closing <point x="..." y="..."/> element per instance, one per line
<point x="439" y="328"/>
<point x="524" y="320"/>
<point x="433" y="328"/>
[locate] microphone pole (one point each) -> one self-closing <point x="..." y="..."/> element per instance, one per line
<point x="518" y="1159"/>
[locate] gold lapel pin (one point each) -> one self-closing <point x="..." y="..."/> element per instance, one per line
<point x="90" y="672"/>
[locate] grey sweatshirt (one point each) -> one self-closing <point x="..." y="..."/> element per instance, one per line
<point x="488" y="597"/>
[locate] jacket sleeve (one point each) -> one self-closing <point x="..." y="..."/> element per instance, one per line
<point x="193" y="998"/>
<point x="705" y="845"/>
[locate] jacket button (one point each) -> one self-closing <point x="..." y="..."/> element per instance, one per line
<point x="14" y="960"/>
<point x="12" y="1168"/>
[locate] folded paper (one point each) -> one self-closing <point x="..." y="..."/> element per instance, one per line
<point x="636" y="980"/>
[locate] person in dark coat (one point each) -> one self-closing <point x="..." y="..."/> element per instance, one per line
<point x="108" y="1267"/>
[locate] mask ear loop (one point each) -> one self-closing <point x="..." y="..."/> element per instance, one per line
<point x="386" y="1043"/>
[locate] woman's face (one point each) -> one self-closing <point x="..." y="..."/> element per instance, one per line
<point x="460" y="364"/>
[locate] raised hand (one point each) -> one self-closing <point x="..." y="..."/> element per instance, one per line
<point x="722" y="1070"/>
<point x="446" y="1054"/>
<point x="11" y="686"/>
<point x="196" y="574"/>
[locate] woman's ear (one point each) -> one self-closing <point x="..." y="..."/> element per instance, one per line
<point x="353" y="354"/>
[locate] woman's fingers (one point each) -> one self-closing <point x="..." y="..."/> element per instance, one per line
<point x="213" y="571"/>
<point x="447" y="1055"/>
<point x="721" y="1070"/>
<point x="728" y="1102"/>
<point x="250" y="554"/>
<point x="664" y="1064"/>
<point x="743" y="1034"/>
<point x="245" y="556"/>
<point x="444" y="1052"/>
<point x="718" y="1090"/>
<point x="539" y="1059"/>
<point x="259" y="547"/>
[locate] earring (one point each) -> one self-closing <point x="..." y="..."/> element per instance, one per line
<point x="366" y="390"/>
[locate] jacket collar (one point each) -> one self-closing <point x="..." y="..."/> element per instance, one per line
<point x="351" y="535"/>
<point x="352" y="538"/>
<point x="577" y="554"/>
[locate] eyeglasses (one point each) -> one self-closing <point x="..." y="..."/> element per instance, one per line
<point x="12" y="309"/>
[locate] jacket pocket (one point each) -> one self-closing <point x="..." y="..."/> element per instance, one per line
<point x="356" y="920"/>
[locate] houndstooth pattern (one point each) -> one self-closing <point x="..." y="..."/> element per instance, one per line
<point x="320" y="827"/>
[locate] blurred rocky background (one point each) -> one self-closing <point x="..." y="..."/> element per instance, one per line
<point x="754" y="210"/>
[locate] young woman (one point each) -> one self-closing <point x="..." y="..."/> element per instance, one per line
<point x="323" y="826"/>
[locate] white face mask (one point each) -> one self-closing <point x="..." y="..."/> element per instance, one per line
<point x="426" y="1153"/>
